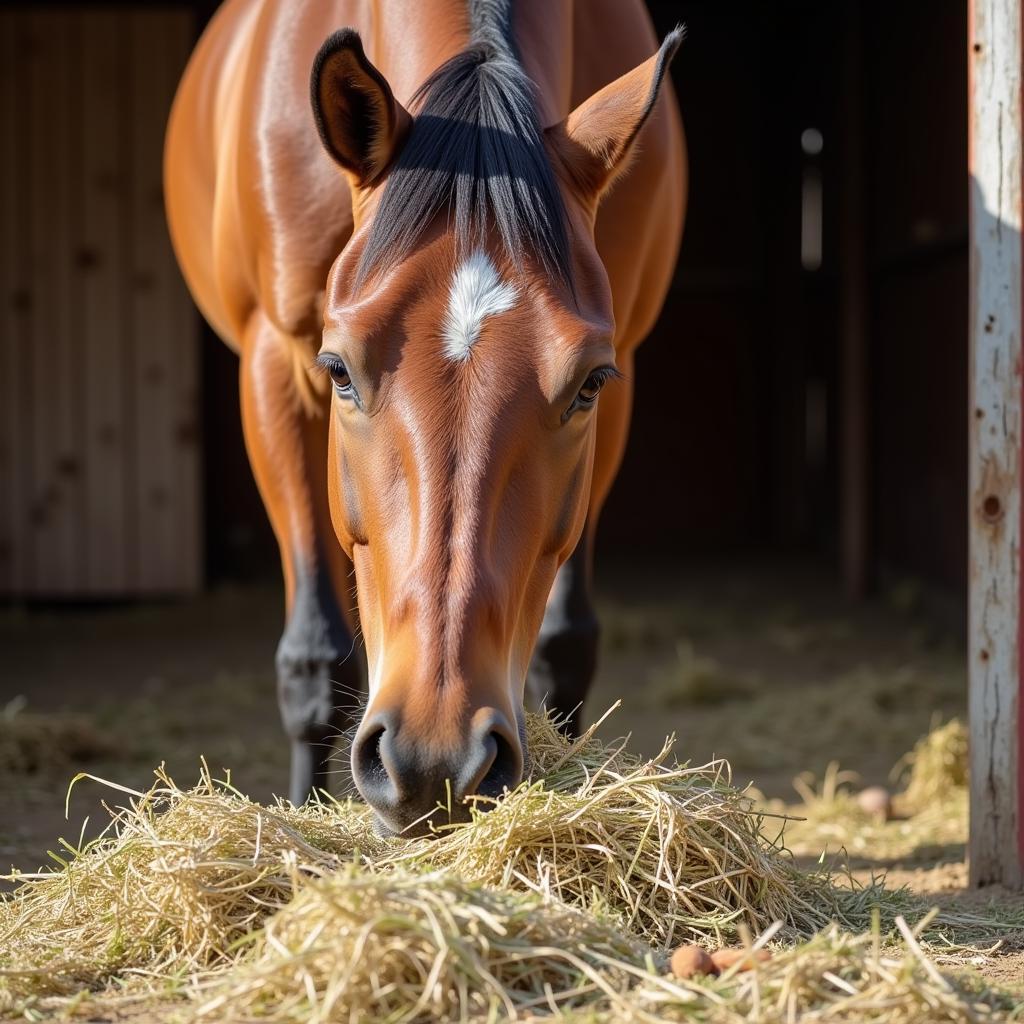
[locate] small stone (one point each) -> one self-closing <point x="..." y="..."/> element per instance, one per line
<point x="723" y="959"/>
<point x="688" y="961"/>
<point x="876" y="801"/>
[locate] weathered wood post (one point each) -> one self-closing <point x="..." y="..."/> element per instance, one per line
<point x="996" y="849"/>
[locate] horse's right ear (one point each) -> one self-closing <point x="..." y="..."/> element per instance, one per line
<point x="594" y="143"/>
<point x="360" y="122"/>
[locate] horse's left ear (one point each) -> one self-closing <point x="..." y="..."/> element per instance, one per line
<point x="360" y="122"/>
<point x="593" y="143"/>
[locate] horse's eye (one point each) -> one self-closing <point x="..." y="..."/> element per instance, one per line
<point x="338" y="374"/>
<point x="592" y="387"/>
<point x="342" y="381"/>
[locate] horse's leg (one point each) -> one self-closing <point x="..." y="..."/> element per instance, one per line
<point x="285" y="423"/>
<point x="565" y="658"/>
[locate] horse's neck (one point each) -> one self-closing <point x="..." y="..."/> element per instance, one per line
<point x="410" y="40"/>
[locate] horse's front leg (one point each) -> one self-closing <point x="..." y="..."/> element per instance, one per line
<point x="565" y="658"/>
<point x="319" y="673"/>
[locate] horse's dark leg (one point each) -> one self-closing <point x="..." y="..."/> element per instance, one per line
<point x="318" y="672"/>
<point x="565" y="658"/>
<point x="317" y="677"/>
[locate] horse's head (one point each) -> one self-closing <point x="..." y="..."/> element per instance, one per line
<point x="468" y="333"/>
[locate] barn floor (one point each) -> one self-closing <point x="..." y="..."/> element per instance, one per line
<point x="771" y="669"/>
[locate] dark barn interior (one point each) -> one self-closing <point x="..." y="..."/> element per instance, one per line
<point x="738" y="437"/>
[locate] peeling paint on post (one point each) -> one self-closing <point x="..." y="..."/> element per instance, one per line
<point x="996" y="850"/>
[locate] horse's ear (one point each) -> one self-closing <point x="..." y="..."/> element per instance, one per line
<point x="360" y="122"/>
<point x="593" y="143"/>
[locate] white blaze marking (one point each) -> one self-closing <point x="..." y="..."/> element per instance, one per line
<point x="477" y="292"/>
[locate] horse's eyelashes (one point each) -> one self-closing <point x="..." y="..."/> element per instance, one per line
<point x="596" y="381"/>
<point x="586" y="397"/>
<point x="337" y="371"/>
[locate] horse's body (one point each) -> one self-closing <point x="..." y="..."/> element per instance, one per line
<point x="259" y="213"/>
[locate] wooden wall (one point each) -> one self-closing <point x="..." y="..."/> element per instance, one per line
<point x="99" y="462"/>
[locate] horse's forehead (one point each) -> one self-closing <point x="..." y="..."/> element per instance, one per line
<point x="448" y="301"/>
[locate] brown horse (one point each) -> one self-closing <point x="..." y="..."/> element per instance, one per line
<point x="435" y="236"/>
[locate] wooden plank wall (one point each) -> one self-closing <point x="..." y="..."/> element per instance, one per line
<point x="996" y="847"/>
<point x="99" y="474"/>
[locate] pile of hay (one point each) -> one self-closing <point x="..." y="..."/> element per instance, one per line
<point x="565" y="897"/>
<point x="672" y="852"/>
<point x="396" y="946"/>
<point x="359" y="947"/>
<point x="178" y="878"/>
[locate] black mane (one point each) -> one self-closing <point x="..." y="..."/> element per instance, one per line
<point x="476" y="151"/>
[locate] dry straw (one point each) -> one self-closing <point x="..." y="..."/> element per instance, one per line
<point x="424" y="947"/>
<point x="930" y="817"/>
<point x="564" y="897"/>
<point x="674" y="852"/>
<point x="839" y="978"/>
<point x="177" y="879"/>
<point x="357" y="947"/>
<point x="935" y="769"/>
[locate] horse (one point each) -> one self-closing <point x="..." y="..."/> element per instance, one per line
<point x="407" y="230"/>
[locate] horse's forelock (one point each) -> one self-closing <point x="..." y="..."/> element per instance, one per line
<point x="476" y="153"/>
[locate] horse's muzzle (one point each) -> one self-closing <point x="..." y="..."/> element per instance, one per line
<point x="414" y="788"/>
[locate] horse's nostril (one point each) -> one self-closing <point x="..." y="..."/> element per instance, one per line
<point x="504" y="770"/>
<point x="405" y="781"/>
<point x="368" y="766"/>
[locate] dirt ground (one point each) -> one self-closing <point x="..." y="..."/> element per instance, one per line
<point x="769" y="668"/>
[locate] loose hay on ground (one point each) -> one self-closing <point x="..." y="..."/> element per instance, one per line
<point x="930" y="812"/>
<point x="179" y="877"/>
<point x="33" y="744"/>
<point x="364" y="946"/>
<point x="935" y="768"/>
<point x="562" y="896"/>
<point x="851" y="979"/>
